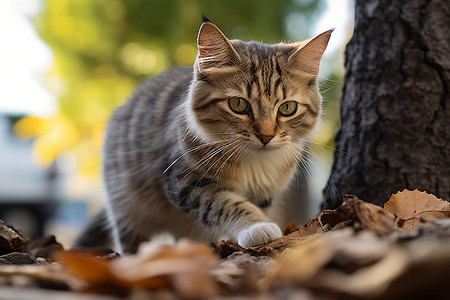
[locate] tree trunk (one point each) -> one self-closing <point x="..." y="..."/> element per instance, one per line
<point x="395" y="110"/>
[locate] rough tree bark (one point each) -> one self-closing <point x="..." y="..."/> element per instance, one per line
<point x="395" y="109"/>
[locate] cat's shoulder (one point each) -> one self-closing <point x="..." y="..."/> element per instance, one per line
<point x="149" y="91"/>
<point x="172" y="74"/>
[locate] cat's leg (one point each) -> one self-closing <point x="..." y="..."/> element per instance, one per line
<point x="97" y="233"/>
<point x="125" y="238"/>
<point x="103" y="231"/>
<point x="223" y="211"/>
<point x="114" y="228"/>
<point x="294" y="202"/>
<point x="130" y="241"/>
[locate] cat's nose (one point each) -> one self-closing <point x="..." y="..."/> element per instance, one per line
<point x="265" y="139"/>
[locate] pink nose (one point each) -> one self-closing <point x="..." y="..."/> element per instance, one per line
<point x="265" y="139"/>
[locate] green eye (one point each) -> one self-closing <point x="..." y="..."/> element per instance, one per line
<point x="238" y="105"/>
<point x="287" y="109"/>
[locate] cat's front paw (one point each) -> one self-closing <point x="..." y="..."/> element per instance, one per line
<point x="259" y="233"/>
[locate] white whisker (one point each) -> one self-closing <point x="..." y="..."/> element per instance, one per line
<point x="206" y="158"/>
<point x="191" y="150"/>
<point x="235" y="149"/>
<point x="210" y="167"/>
<point x="240" y="154"/>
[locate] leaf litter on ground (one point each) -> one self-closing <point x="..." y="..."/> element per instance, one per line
<point x="358" y="251"/>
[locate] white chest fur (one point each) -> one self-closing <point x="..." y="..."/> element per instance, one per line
<point x="262" y="175"/>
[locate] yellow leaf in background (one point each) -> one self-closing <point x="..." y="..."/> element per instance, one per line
<point x="415" y="207"/>
<point x="58" y="135"/>
<point x="28" y="127"/>
<point x="98" y="132"/>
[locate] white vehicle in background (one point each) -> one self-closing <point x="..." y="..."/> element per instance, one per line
<point x="29" y="195"/>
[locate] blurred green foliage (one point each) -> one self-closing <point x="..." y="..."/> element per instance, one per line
<point x="104" y="48"/>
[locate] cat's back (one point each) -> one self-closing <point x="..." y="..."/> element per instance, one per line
<point x="135" y="129"/>
<point x="156" y="96"/>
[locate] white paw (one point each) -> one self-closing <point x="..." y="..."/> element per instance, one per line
<point x="259" y="233"/>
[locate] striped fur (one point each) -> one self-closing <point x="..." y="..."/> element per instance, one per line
<point x="177" y="159"/>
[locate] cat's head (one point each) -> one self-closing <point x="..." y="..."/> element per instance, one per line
<point x="264" y="95"/>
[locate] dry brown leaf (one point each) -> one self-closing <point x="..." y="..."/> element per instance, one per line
<point x="343" y="264"/>
<point x="291" y="227"/>
<point x="241" y="273"/>
<point x="331" y="261"/>
<point x="365" y="215"/>
<point x="93" y="270"/>
<point x="324" y="221"/>
<point x="48" y="276"/>
<point x="11" y="240"/>
<point x="184" y="268"/>
<point x="43" y="247"/>
<point x="353" y="212"/>
<point x="415" y="207"/>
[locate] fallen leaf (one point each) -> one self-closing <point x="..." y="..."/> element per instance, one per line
<point x="330" y="262"/>
<point x="95" y="271"/>
<point x="436" y="230"/>
<point x="16" y="258"/>
<point x="11" y="240"/>
<point x="241" y="272"/>
<point x="365" y="215"/>
<point x="344" y="264"/>
<point x="43" y="247"/>
<point x="324" y="221"/>
<point x="52" y="276"/>
<point x="413" y="208"/>
<point x="291" y="227"/>
<point x="184" y="268"/>
<point x="353" y="212"/>
<point x="225" y="248"/>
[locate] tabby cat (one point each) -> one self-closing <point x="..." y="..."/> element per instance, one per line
<point x="215" y="150"/>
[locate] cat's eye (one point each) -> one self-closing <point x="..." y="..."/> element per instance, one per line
<point x="287" y="109"/>
<point x="238" y="105"/>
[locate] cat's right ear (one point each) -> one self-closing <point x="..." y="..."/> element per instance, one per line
<point x="309" y="53"/>
<point x="214" y="49"/>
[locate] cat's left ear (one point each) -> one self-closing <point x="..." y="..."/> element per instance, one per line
<point x="214" y="49"/>
<point x="307" y="57"/>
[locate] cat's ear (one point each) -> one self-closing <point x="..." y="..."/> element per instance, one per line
<point x="214" y="49"/>
<point x="309" y="53"/>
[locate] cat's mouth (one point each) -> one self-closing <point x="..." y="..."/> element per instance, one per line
<point x="258" y="147"/>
